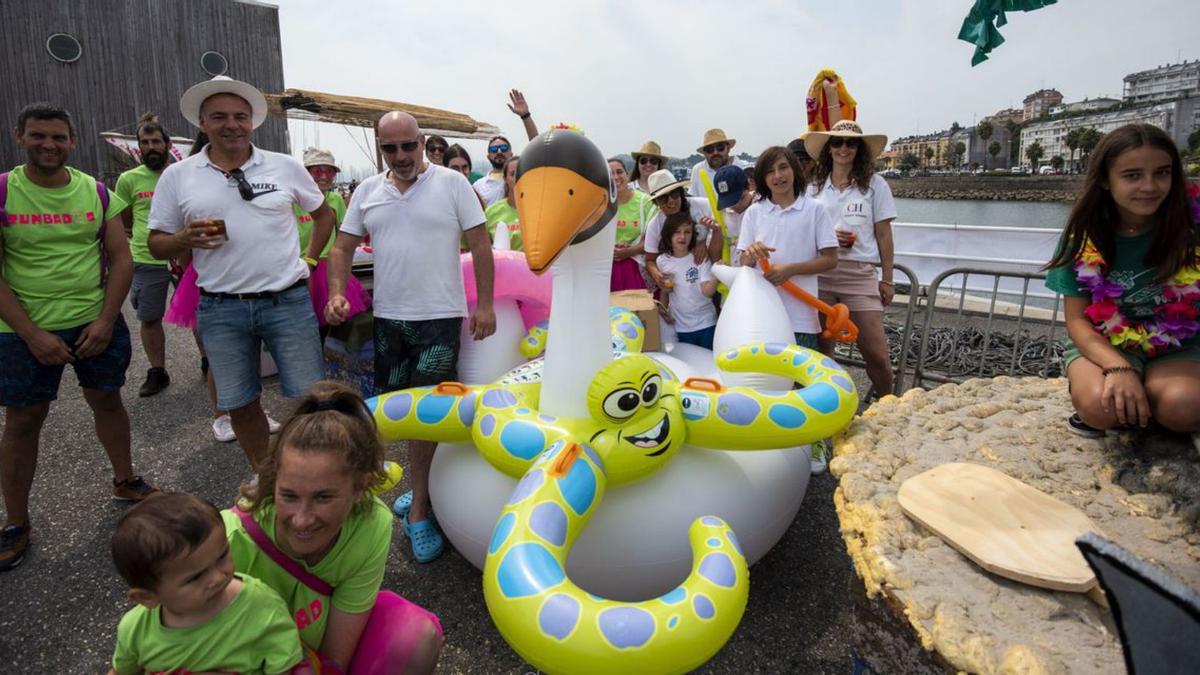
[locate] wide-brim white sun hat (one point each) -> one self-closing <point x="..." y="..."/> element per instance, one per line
<point x="662" y="182"/>
<point x="194" y="97"/>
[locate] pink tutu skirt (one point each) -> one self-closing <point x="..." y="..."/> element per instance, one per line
<point x="182" y="310"/>
<point x="360" y="300"/>
<point x="626" y="275"/>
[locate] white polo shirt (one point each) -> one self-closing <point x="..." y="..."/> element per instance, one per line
<point x="415" y="235"/>
<point x="797" y="233"/>
<point x="263" y="251"/>
<point x="697" y="206"/>
<point x="490" y="189"/>
<point x="697" y="188"/>
<point x="857" y="211"/>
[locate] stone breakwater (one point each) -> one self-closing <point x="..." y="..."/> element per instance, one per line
<point x="997" y="188"/>
<point x="1142" y="492"/>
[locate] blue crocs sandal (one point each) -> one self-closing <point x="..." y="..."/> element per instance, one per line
<point x="426" y="539"/>
<point x="402" y="505"/>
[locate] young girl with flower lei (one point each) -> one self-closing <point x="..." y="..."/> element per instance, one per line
<point x="1128" y="267"/>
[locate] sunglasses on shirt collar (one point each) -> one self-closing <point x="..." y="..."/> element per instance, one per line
<point x="244" y="188"/>
<point x="407" y="146"/>
<point x="503" y="147"/>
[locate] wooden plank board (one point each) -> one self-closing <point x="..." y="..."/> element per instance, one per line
<point x="1003" y="525"/>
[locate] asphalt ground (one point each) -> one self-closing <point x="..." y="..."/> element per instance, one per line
<point x="59" y="610"/>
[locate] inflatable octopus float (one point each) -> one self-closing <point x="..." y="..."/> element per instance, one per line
<point x="615" y="500"/>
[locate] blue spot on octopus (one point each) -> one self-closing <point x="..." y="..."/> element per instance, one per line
<point x="625" y="627"/>
<point x="718" y="568"/>
<point x="737" y="408"/>
<point x="549" y="522"/>
<point x="528" y="569"/>
<point x="434" y="408"/>
<point x="558" y="615"/>
<point x="500" y="534"/>
<point x="396" y="407"/>
<point x="522" y="439"/>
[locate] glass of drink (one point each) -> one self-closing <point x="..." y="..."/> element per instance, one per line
<point x="846" y="238"/>
<point x="668" y="283"/>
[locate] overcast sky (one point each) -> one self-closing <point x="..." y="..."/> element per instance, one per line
<point x="667" y="70"/>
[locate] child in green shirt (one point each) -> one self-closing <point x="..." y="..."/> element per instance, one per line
<point x="194" y="613"/>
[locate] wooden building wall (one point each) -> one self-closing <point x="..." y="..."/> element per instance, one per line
<point x="137" y="56"/>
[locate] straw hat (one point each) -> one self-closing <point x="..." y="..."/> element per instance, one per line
<point x="649" y="149"/>
<point x="319" y="157"/>
<point x="814" y="141"/>
<point x="715" y="136"/>
<point x="662" y="182"/>
<point x="194" y="97"/>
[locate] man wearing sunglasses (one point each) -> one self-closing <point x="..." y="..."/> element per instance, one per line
<point x="231" y="207"/>
<point x="491" y="186"/>
<point x="717" y="150"/>
<point x="416" y="214"/>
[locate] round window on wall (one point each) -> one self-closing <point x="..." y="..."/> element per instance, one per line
<point x="214" y="63"/>
<point x="64" y="47"/>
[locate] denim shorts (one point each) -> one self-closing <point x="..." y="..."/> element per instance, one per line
<point x="416" y="353"/>
<point x="809" y="340"/>
<point x="24" y="381"/>
<point x="148" y="293"/>
<point x="233" y="332"/>
<point x="700" y="338"/>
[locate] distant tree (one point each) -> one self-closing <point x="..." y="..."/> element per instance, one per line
<point x="1014" y="141"/>
<point x="1088" y="138"/>
<point x="955" y="127"/>
<point x="1193" y="141"/>
<point x="1056" y="162"/>
<point x="994" y="149"/>
<point x="974" y="166"/>
<point x="984" y="129"/>
<point x="928" y="155"/>
<point x="1034" y="153"/>
<point x="1072" y="141"/>
<point x="957" y="152"/>
<point x="909" y="161"/>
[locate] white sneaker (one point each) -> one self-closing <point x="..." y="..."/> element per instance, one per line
<point x="819" y="461"/>
<point x="223" y="429"/>
<point x="272" y="425"/>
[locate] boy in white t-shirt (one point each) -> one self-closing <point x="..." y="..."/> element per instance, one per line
<point x="795" y="234"/>
<point x="688" y="287"/>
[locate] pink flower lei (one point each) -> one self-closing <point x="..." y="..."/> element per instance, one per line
<point x="1173" y="322"/>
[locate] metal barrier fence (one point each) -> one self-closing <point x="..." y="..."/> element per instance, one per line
<point x="964" y="350"/>
<point x="848" y="354"/>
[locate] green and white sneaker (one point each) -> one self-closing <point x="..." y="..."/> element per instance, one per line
<point x="821" y="453"/>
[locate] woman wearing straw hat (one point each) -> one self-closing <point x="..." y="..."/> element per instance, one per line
<point x="646" y="160"/>
<point x="861" y="206"/>
<point x="670" y="196"/>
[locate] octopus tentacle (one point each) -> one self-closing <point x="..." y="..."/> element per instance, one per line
<point x="628" y="334"/>
<point x="557" y="626"/>
<point x="744" y="418"/>
<point x="443" y="412"/>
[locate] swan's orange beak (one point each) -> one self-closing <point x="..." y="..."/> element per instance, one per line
<point x="553" y="205"/>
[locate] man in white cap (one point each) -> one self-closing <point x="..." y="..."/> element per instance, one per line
<point x="231" y="207"/>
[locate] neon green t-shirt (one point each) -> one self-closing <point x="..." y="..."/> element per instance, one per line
<point x="52" y="250"/>
<point x="501" y="211"/>
<point x="632" y="217"/>
<point x="304" y="222"/>
<point x="1142" y="293"/>
<point x="254" y="634"/>
<point x="136" y="189"/>
<point x="354" y="567"/>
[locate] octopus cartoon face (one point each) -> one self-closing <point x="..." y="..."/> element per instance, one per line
<point x="641" y="419"/>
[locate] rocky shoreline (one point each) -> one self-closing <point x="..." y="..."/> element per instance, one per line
<point x="993" y="188"/>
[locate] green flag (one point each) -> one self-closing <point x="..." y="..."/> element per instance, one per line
<point x="986" y="16"/>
